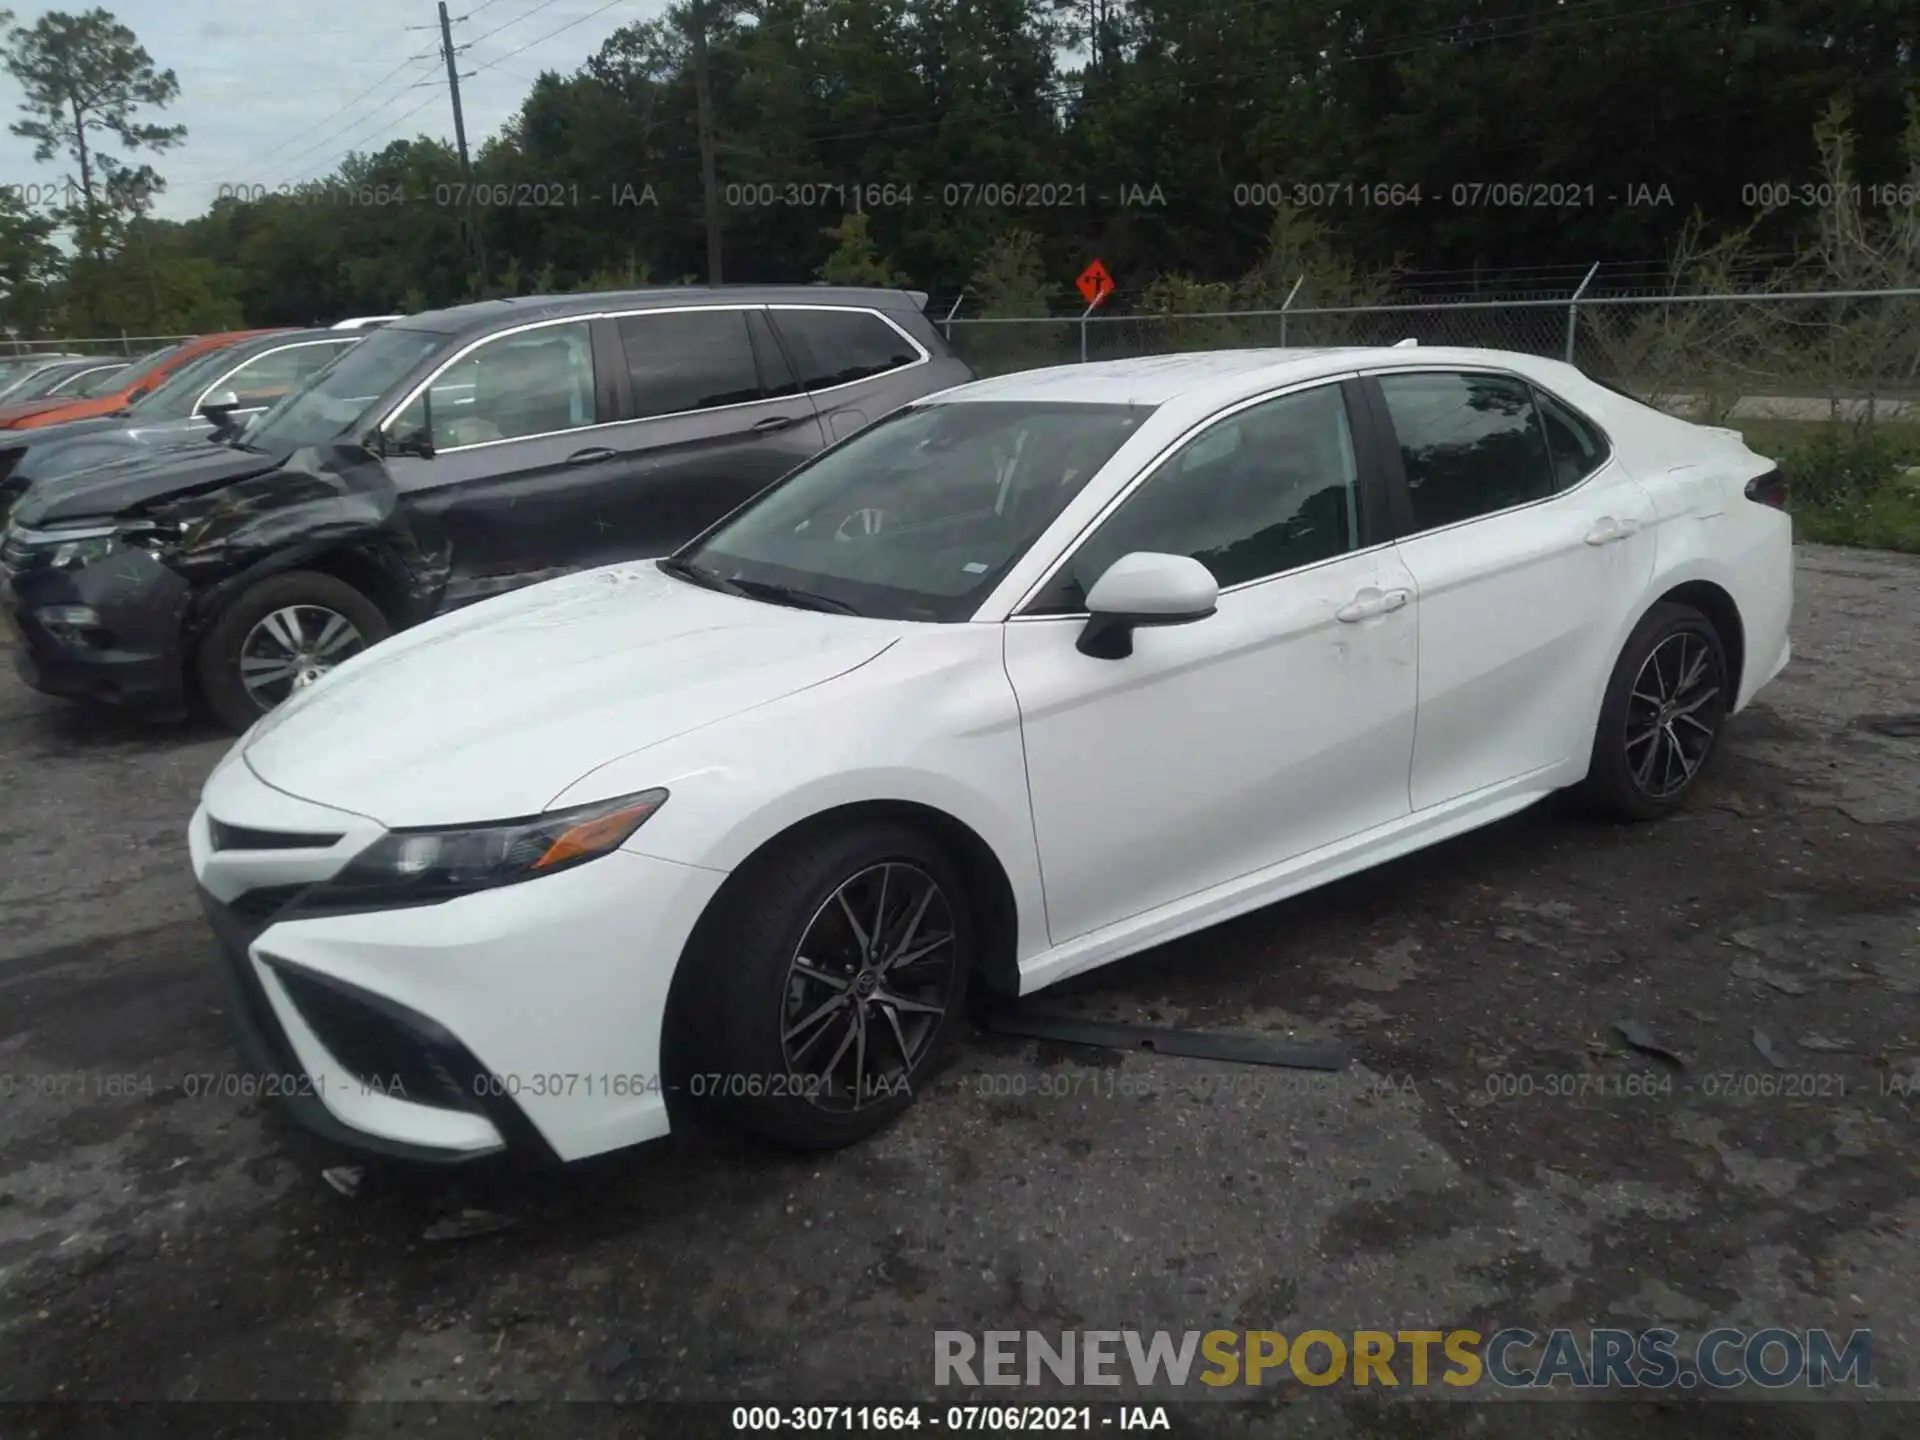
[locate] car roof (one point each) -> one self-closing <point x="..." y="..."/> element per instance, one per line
<point x="485" y="315"/>
<point x="272" y="339"/>
<point x="1220" y="376"/>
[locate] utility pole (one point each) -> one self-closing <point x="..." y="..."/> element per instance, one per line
<point x="703" y="111"/>
<point x="470" y="229"/>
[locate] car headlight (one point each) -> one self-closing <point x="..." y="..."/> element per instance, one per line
<point x="80" y="547"/>
<point x="422" y="866"/>
<point x="84" y="550"/>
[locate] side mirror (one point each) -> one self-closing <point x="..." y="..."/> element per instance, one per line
<point x="219" y="407"/>
<point x="1144" y="588"/>
<point x="418" y="443"/>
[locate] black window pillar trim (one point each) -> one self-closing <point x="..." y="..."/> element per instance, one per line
<point x="612" y="380"/>
<point x="1396" y="510"/>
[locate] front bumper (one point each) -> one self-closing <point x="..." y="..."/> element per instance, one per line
<point x="524" y="1020"/>
<point x="133" y="658"/>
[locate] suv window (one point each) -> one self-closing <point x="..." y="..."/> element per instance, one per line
<point x="837" y="347"/>
<point x="685" y="360"/>
<point x="535" y="382"/>
<point x="1471" y="444"/>
<point x="1575" y="445"/>
<point x="278" y="371"/>
<point x="1267" y="490"/>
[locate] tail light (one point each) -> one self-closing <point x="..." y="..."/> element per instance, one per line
<point x="1768" y="489"/>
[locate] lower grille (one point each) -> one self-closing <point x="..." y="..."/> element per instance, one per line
<point x="223" y="836"/>
<point x="260" y="906"/>
<point x="381" y="1052"/>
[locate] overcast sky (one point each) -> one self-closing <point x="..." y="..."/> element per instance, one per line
<point x="276" y="91"/>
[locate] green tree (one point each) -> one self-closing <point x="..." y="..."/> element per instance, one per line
<point x="854" y="261"/>
<point x="31" y="266"/>
<point x="86" y="78"/>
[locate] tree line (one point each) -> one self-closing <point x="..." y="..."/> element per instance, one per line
<point x="988" y="149"/>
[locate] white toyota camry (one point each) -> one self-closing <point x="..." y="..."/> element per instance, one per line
<point x="1021" y="679"/>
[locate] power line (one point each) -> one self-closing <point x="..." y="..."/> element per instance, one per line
<point x="561" y="30"/>
<point x="354" y="146"/>
<point x="268" y="154"/>
<point x="509" y="24"/>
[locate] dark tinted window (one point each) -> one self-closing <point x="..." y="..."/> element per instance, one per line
<point x="776" y="375"/>
<point x="1576" y="447"/>
<point x="1267" y="490"/>
<point x="689" y="360"/>
<point x="835" y="347"/>
<point x="1471" y="444"/>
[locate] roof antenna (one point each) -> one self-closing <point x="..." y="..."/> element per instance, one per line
<point x="1407" y="344"/>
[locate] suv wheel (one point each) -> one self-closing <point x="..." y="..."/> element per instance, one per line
<point x="278" y="638"/>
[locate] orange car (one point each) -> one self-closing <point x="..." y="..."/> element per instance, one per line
<point x="129" y="385"/>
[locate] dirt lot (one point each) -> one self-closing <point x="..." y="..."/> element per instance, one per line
<point x="159" y="1244"/>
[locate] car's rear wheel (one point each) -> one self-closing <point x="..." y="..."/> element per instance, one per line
<point x="1660" y="722"/>
<point x="279" y="637"/>
<point x="836" y="986"/>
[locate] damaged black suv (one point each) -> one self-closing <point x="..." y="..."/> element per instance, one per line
<point x="446" y="457"/>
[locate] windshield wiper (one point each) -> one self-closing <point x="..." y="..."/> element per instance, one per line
<point x="788" y="595"/>
<point x="753" y="589"/>
<point x="697" y="575"/>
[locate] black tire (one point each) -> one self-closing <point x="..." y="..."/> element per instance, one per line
<point x="1634" y="778"/>
<point x="217" y="664"/>
<point x="741" y="1019"/>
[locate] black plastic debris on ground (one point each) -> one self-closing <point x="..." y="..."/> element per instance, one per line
<point x="1239" y="1049"/>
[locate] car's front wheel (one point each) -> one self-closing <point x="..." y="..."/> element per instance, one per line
<point x="837" y="980"/>
<point x="279" y="637"/>
<point x="1661" y="719"/>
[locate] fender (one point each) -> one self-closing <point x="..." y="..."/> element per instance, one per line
<point x="332" y="501"/>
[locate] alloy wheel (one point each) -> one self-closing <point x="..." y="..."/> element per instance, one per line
<point x="868" y="986"/>
<point x="1667" y="740"/>
<point x="290" y="648"/>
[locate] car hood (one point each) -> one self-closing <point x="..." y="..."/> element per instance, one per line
<point x="25" y="410"/>
<point x="80" y="448"/>
<point x="492" y="712"/>
<point x="65" y="430"/>
<point x="123" y="487"/>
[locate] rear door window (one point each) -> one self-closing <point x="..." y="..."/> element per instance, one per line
<point x="838" y="347"/>
<point x="685" y="360"/>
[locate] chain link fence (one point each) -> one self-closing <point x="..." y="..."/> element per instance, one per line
<point x="123" y="346"/>
<point x="1795" y="355"/>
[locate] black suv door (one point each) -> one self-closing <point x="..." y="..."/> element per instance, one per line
<point x="717" y="416"/>
<point x="520" y="478"/>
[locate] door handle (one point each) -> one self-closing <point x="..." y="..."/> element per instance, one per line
<point x="1370" y="603"/>
<point x="587" y="457"/>
<point x="772" y="423"/>
<point x="1607" y="530"/>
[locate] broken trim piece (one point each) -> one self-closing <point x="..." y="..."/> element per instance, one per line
<point x="1239" y="1049"/>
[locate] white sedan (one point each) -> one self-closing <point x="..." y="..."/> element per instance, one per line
<point x="1022" y="679"/>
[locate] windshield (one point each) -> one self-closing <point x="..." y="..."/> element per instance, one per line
<point x="104" y="383"/>
<point x="336" y="398"/>
<point x="174" y="396"/>
<point x="141" y="371"/>
<point x="920" y="515"/>
<point x="36" y="384"/>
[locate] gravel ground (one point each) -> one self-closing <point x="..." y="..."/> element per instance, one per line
<point x="1495" y="1157"/>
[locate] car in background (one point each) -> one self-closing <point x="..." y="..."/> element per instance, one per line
<point x="367" y="322"/>
<point x="1133" y="648"/>
<point x="441" y="460"/>
<point x="16" y="367"/>
<point x="59" y="377"/>
<point x="129" y="385"/>
<point x="223" y="389"/>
